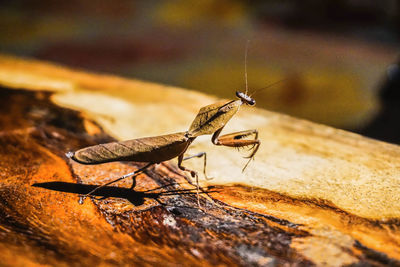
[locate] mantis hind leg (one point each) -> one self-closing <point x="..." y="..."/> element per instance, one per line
<point x="237" y="140"/>
<point x="134" y="174"/>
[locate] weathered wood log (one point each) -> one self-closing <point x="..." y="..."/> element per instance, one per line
<point x="313" y="195"/>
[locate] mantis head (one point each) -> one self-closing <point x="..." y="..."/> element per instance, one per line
<point x="245" y="98"/>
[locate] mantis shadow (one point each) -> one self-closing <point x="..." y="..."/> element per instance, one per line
<point x="135" y="197"/>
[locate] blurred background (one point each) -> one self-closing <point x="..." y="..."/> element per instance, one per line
<point x="338" y="59"/>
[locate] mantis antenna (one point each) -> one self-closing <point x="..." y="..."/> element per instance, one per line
<point x="245" y="73"/>
<point x="245" y="64"/>
<point x="269" y="86"/>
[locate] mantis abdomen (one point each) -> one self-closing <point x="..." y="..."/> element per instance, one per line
<point x="148" y="149"/>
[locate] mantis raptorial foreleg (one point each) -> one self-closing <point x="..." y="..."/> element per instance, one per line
<point x="236" y="140"/>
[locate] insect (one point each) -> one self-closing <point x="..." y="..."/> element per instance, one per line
<point x="210" y="119"/>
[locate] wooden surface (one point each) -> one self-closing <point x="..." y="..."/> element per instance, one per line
<point x="313" y="195"/>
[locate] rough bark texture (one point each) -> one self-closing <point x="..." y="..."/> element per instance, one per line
<point x="41" y="221"/>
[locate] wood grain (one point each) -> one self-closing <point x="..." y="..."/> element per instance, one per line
<point x="314" y="194"/>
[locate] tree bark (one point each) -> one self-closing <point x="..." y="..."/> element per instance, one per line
<point x="313" y="195"/>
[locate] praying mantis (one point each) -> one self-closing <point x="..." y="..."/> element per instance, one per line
<point x="210" y="119"/>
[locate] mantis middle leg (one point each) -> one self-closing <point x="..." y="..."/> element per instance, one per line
<point x="192" y="173"/>
<point x="199" y="155"/>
